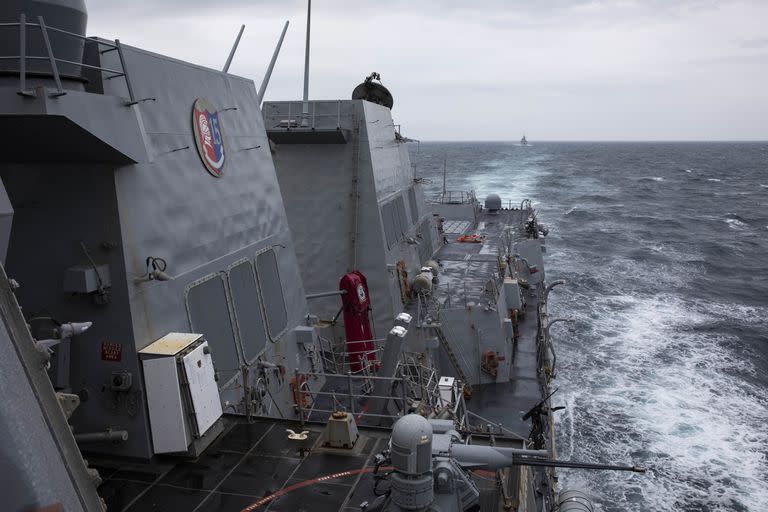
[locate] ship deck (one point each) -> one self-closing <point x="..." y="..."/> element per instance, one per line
<point x="254" y="466"/>
<point x="465" y="268"/>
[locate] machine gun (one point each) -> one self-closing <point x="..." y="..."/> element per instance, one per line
<point x="538" y="427"/>
<point x="539" y="407"/>
<point x="431" y="466"/>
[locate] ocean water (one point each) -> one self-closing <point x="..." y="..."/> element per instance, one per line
<point x="665" y="250"/>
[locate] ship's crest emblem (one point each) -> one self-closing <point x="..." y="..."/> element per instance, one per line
<point x="209" y="138"/>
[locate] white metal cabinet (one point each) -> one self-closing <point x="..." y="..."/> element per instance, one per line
<point x="182" y="394"/>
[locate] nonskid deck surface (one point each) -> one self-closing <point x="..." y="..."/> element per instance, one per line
<point x="247" y="463"/>
<point x="251" y="462"/>
<point x="466" y="266"/>
<point x="507" y="402"/>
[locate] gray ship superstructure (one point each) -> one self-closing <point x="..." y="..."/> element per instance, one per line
<point x="121" y="219"/>
<point x="215" y="334"/>
<point x="351" y="200"/>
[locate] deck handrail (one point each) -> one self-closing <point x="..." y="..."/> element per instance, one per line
<point x="23" y="58"/>
<point x="285" y="111"/>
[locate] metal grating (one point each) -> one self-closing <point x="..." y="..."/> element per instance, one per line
<point x="455" y="226"/>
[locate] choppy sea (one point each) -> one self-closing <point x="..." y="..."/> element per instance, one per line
<point x="665" y="250"/>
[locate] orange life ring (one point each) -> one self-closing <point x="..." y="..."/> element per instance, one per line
<point x="299" y="392"/>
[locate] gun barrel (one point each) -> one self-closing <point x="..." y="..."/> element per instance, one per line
<point x="494" y="457"/>
<point x="577" y="465"/>
<point x="491" y="457"/>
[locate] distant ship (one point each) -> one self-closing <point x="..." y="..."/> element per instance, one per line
<point x="523" y="141"/>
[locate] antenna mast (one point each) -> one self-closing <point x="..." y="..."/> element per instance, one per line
<point x="234" y="49"/>
<point x="305" y="106"/>
<point x="445" y="163"/>
<point x="271" y="66"/>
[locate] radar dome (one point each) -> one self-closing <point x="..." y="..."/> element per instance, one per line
<point x="493" y="202"/>
<point x="412" y="445"/>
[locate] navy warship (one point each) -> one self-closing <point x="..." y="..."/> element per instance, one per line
<point x="213" y="303"/>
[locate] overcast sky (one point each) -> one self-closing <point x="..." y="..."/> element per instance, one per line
<point x="493" y="69"/>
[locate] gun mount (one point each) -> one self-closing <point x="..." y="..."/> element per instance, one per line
<point x="431" y="465"/>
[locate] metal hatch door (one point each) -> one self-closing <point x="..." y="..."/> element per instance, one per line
<point x="203" y="391"/>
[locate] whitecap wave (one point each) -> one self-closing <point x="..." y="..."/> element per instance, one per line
<point x="716" y="180"/>
<point x="736" y="223"/>
<point x="673" y="400"/>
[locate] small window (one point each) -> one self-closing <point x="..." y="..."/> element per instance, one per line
<point x="247" y="306"/>
<point x="209" y="316"/>
<point x="271" y="292"/>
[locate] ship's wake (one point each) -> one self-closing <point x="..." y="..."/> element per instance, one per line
<point x="651" y="377"/>
<point x="666" y="365"/>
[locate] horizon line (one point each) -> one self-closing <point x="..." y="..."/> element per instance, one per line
<point x="597" y="140"/>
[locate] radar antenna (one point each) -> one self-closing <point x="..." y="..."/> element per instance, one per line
<point x="305" y="103"/>
<point x="373" y="92"/>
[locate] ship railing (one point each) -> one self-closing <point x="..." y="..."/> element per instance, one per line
<point x="338" y="360"/>
<point x="312" y="115"/>
<point x="53" y="61"/>
<point x="318" y="405"/>
<point x="314" y="404"/>
<point x="453" y="197"/>
<point x="484" y="425"/>
<point x="422" y="380"/>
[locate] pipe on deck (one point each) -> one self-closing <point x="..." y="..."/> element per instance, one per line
<point x="325" y="294"/>
<point x="99" y="437"/>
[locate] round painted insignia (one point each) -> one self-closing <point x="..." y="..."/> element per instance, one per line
<point x="361" y="293"/>
<point x="209" y="138"/>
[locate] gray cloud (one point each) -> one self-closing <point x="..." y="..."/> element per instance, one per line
<point x="761" y="42"/>
<point x="567" y="69"/>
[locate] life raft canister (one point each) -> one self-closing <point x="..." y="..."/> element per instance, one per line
<point x="471" y="239"/>
<point x="357" y="325"/>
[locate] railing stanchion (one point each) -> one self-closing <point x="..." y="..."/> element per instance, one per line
<point x="51" y="59"/>
<point x="404" y="391"/>
<point x="298" y="397"/>
<point x="351" y="397"/>
<point x="125" y="73"/>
